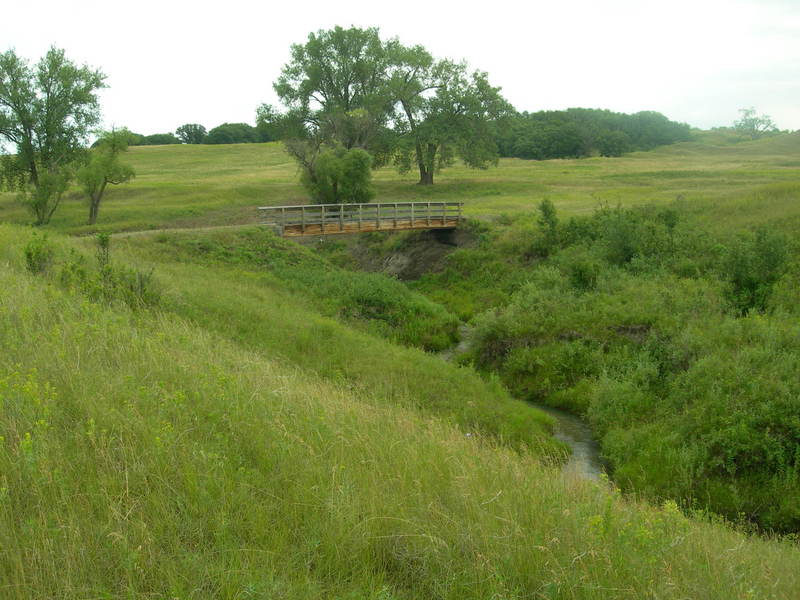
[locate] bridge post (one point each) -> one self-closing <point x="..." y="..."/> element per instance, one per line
<point x="341" y="217"/>
<point x="412" y="215"/>
<point x="322" y="219"/>
<point x="378" y="216"/>
<point x="360" y="215"/>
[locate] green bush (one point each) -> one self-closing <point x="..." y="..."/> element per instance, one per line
<point x="752" y="266"/>
<point x="340" y="175"/>
<point x="38" y="254"/>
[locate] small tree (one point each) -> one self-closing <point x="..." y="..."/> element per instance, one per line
<point x="46" y="112"/>
<point x="104" y="168"/>
<point x="754" y="125"/>
<point x="191" y="133"/>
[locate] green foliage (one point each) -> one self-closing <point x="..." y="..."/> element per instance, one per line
<point x="232" y="133"/>
<point x="459" y="119"/>
<point x="107" y="282"/>
<point x="546" y="239"/>
<point x="688" y="388"/>
<point x="159" y="139"/>
<point x="38" y="254"/>
<point x="43" y="197"/>
<point x="581" y="132"/>
<point x="614" y="143"/>
<point x="752" y="266"/>
<point x="46" y="112"/>
<point x="336" y="86"/>
<point x="339" y="176"/>
<point x="380" y="304"/>
<point x="192" y="133"/>
<point x="210" y="466"/>
<point x="270" y="124"/>
<point x="348" y="87"/>
<point x="105" y="168"/>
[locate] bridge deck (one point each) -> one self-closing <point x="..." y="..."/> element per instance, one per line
<point x="321" y="219"/>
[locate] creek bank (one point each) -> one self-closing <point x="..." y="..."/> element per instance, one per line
<point x="584" y="460"/>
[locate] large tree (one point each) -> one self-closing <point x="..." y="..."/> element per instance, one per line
<point x="105" y="168"/>
<point x="754" y="125"/>
<point x="46" y="113"/>
<point x="446" y="112"/>
<point x="336" y="86"/>
<point x="191" y="133"/>
<point x="348" y="88"/>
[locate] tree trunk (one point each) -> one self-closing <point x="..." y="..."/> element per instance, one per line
<point x="426" y="164"/>
<point x="94" y="205"/>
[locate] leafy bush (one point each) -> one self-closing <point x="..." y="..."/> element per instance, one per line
<point x="38" y="254"/>
<point x="752" y="265"/>
<point x="340" y="175"/>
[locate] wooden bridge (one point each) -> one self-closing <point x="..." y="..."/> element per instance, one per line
<point x="321" y="219"/>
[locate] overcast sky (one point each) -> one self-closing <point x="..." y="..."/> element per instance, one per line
<point x="174" y="62"/>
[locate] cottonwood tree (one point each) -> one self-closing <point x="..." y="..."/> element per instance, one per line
<point x="46" y="113"/>
<point x="446" y="112"/>
<point x="336" y="86"/>
<point x="104" y="168"/>
<point x="754" y="125"/>
<point x="348" y="88"/>
<point x="191" y="133"/>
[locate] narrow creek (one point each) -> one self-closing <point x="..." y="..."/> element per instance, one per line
<point x="584" y="461"/>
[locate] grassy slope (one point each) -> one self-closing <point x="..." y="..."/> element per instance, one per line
<point x="143" y="456"/>
<point x="260" y="311"/>
<point x="205" y="185"/>
<point x="181" y="186"/>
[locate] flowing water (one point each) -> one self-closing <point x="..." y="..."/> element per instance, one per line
<point x="585" y="459"/>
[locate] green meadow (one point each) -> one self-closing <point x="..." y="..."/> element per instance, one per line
<point x="209" y="411"/>
<point x="207" y="185"/>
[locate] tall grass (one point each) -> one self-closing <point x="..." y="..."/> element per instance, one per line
<point x="143" y="456"/>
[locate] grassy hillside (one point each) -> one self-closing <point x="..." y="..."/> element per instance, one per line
<point x="194" y="185"/>
<point x="255" y="421"/>
<point x="144" y="455"/>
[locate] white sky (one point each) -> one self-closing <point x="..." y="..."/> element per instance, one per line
<point x="173" y="62"/>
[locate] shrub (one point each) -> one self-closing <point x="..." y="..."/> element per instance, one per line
<point x="752" y="266"/>
<point x="340" y="175"/>
<point x="38" y="254"/>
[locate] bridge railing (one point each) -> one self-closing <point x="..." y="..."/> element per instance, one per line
<point x="315" y="219"/>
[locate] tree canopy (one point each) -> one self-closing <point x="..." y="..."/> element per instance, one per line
<point x="46" y="113"/>
<point x="191" y="133"/>
<point x="446" y="112"/>
<point x="350" y="88"/>
<point x="232" y="133"/>
<point x="579" y="132"/>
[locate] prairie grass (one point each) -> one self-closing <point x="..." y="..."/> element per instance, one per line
<point x="198" y="185"/>
<point x="143" y="455"/>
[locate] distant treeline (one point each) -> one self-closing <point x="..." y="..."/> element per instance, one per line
<point x="571" y="133"/>
<point x="579" y="132"/>
<point x="193" y="133"/>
